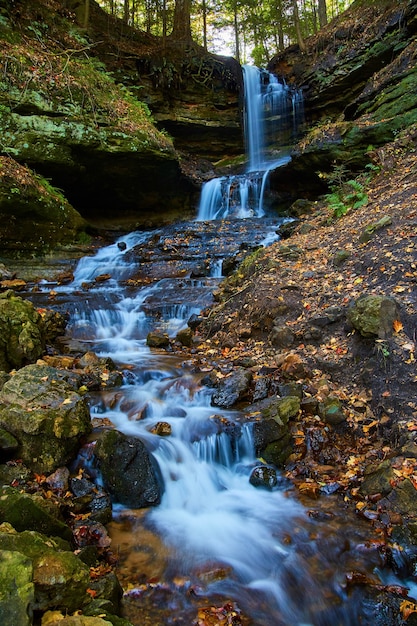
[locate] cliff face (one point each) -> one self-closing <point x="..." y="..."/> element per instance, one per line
<point x="359" y="81"/>
<point x="193" y="95"/>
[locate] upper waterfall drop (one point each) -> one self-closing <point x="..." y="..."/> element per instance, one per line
<point x="271" y="108"/>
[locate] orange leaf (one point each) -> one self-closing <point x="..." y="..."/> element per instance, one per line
<point x="397" y="326"/>
<point x="92" y="592"/>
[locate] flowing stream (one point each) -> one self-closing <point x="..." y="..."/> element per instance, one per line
<point x="214" y="537"/>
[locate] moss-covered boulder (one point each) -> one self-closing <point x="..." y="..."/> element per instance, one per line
<point x="59" y="577"/>
<point x="373" y="316"/>
<point x="30" y="512"/>
<point x="21" y="332"/>
<point x="17" y="590"/>
<point x="40" y="407"/>
<point x="272" y="436"/>
<point x="129" y="471"/>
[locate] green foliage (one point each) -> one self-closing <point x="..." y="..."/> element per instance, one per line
<point x="346" y="194"/>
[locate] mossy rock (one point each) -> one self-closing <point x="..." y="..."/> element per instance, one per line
<point x="29" y="512"/>
<point x="130" y="473"/>
<point x="373" y="315"/>
<point x="41" y="409"/>
<point x="17" y="591"/>
<point x="21" y="332"/>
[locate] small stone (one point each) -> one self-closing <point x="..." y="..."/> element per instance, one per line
<point x="156" y="339"/>
<point x="163" y="429"/>
<point x="264" y="476"/>
<point x="331" y="412"/>
<point x="339" y="257"/>
<point x="282" y="337"/>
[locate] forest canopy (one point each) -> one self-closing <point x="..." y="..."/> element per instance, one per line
<point x="249" y="30"/>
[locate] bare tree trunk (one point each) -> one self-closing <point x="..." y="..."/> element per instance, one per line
<point x="86" y="13"/>
<point x="296" y="17"/>
<point x="322" y="13"/>
<point x="236" y="29"/>
<point x="205" y="25"/>
<point x="126" y="11"/>
<point x="181" y="31"/>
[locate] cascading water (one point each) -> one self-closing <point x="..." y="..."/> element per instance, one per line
<point x="211" y="518"/>
<point x="270" y="107"/>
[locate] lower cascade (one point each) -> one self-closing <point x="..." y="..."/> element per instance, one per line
<point x="214" y="537"/>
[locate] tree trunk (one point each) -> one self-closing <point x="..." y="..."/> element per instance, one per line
<point x="236" y="29"/>
<point x="126" y="11"/>
<point x="181" y="31"/>
<point x="205" y="25"/>
<point x="86" y="13"/>
<point x="296" y="17"/>
<point x="322" y="13"/>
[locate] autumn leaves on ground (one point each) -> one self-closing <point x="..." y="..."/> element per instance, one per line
<point x="285" y="313"/>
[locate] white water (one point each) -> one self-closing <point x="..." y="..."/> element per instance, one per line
<point x="268" y="105"/>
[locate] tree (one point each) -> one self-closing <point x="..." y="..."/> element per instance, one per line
<point x="181" y="31"/>
<point x="322" y="13"/>
<point x="297" y="25"/>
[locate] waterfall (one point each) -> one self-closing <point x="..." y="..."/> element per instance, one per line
<point x="271" y="108"/>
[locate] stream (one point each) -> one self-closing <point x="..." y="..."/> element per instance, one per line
<point x="215" y="539"/>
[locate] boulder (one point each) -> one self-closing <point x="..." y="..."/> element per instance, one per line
<point x="21" y="332"/>
<point x="373" y="316"/>
<point x="232" y="388"/>
<point x="30" y="512"/>
<point x="130" y="473"/>
<point x="263" y="476"/>
<point x="59" y="577"/>
<point x="16" y="588"/>
<point x="41" y="409"/>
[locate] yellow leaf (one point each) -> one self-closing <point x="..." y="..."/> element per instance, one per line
<point x="67" y="401"/>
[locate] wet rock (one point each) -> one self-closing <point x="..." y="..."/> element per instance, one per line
<point x="282" y="337"/>
<point x="403" y="498"/>
<point x="17" y="590"/>
<point x="61" y="581"/>
<point x="21" y="338"/>
<point x="40" y="408"/>
<point x="29" y="512"/>
<point x="156" y="339"/>
<point x="108" y="588"/>
<point x="185" y="336"/>
<point x="54" y="324"/>
<point x="377" y="479"/>
<point x="331" y="411"/>
<point x="195" y="321"/>
<point x="129" y="472"/>
<point x="163" y="429"/>
<point x="373" y="316"/>
<point x="232" y="388"/>
<point x="59" y="480"/>
<point x="281" y="410"/>
<point x="264" y="476"/>
<point x="272" y="437"/>
<point x="286" y="229"/>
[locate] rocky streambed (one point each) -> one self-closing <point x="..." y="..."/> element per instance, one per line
<point x="306" y="351"/>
